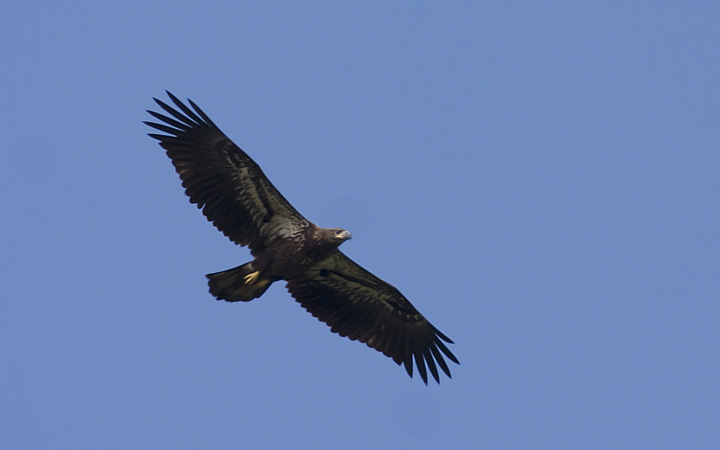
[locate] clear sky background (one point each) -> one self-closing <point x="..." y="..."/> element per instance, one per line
<point x="539" y="178"/>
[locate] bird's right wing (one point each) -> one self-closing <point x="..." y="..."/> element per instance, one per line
<point x="233" y="192"/>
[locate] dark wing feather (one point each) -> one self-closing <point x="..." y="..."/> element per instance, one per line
<point x="359" y="305"/>
<point x="223" y="180"/>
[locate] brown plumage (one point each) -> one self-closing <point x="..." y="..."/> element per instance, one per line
<point x="240" y="201"/>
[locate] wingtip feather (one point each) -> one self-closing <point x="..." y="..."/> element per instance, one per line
<point x="420" y="363"/>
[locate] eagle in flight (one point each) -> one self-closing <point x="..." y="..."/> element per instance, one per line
<point x="235" y="195"/>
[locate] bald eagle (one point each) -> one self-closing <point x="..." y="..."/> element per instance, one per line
<point x="235" y="195"/>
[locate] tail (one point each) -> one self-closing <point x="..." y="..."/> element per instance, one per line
<point x="231" y="285"/>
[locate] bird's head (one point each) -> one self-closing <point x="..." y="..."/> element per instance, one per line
<point x="338" y="235"/>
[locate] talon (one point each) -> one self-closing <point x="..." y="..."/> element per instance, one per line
<point x="251" y="278"/>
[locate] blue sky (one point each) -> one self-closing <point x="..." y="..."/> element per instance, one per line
<point x="539" y="178"/>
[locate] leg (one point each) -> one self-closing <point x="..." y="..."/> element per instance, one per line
<point x="251" y="278"/>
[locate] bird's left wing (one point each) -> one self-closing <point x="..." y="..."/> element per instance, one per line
<point x="357" y="304"/>
<point x="232" y="190"/>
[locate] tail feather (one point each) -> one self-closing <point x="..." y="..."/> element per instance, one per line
<point x="230" y="284"/>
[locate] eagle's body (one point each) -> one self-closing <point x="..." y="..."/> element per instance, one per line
<point x="240" y="201"/>
<point x="285" y="258"/>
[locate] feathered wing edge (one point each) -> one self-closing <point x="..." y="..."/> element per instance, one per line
<point x="230" y="188"/>
<point x="358" y="305"/>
